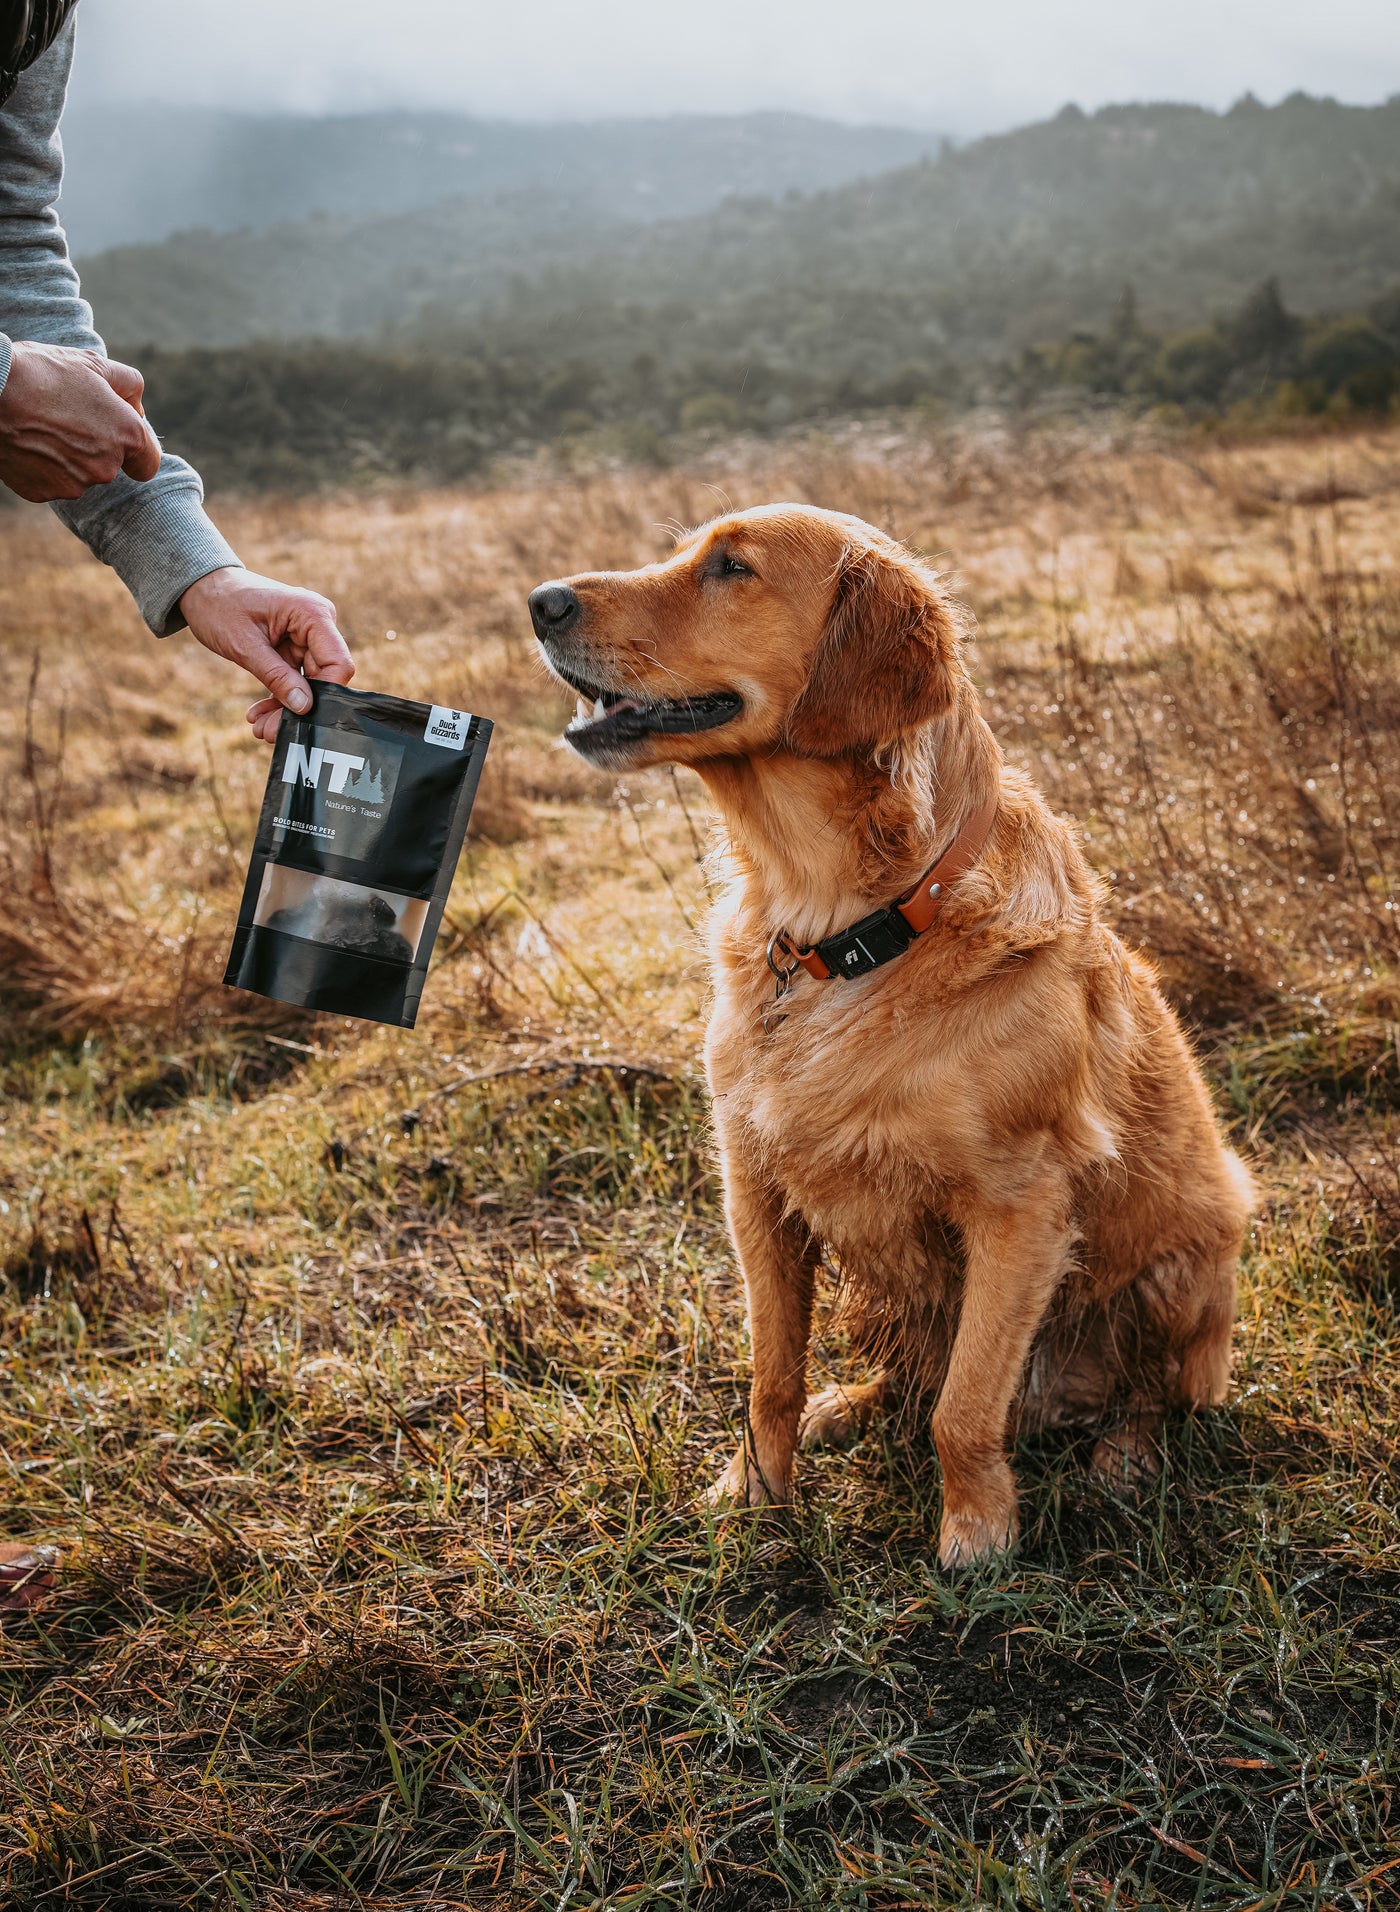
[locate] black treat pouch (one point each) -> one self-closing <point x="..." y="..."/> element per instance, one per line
<point x="362" y="823"/>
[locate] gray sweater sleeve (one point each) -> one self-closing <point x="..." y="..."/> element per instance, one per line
<point x="155" y="536"/>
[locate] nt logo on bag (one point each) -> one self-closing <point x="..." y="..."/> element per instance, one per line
<point x="337" y="786"/>
<point x="305" y="766"/>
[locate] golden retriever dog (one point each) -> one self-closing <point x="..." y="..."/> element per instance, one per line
<point x="932" y="1062"/>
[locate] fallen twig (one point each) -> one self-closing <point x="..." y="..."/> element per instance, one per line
<point x="222" y="1530"/>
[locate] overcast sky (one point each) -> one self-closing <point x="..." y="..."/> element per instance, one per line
<point x="958" y="65"/>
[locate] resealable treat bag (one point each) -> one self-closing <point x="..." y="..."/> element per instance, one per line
<point x="362" y="823"/>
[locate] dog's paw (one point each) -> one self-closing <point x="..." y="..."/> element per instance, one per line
<point x="966" y="1538"/>
<point x="838" y="1414"/>
<point x="1127" y="1461"/>
<point x="743" y="1484"/>
<point x="1204" y="1380"/>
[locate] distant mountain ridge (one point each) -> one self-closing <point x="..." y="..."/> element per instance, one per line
<point x="238" y="170"/>
<point x="341" y="278"/>
<point x="1016" y="238"/>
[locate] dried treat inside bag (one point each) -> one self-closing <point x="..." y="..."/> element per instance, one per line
<point x="362" y="822"/>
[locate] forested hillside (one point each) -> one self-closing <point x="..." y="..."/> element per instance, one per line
<point x="341" y="278"/>
<point x="1010" y="241"/>
<point x="1260" y="249"/>
<point x="301" y="416"/>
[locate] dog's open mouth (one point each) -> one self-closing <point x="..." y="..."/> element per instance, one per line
<point x="606" y="718"/>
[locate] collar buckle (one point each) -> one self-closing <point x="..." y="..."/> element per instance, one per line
<point x="779" y="941"/>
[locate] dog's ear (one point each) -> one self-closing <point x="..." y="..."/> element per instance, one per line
<point x="884" y="663"/>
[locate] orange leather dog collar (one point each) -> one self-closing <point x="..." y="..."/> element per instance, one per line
<point x="880" y="937"/>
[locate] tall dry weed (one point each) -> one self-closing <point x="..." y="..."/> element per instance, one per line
<point x="1236" y="778"/>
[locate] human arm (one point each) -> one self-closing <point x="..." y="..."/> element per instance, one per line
<point x="154" y="534"/>
<point x="74" y="409"/>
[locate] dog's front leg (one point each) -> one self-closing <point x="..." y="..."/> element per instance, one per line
<point x="779" y="1258"/>
<point x="1016" y="1253"/>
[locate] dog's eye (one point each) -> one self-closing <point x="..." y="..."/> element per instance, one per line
<point x="733" y="568"/>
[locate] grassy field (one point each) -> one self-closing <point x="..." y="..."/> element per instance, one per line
<point x="368" y="1379"/>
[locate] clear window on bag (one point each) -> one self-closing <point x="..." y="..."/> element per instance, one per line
<point x="348" y="916"/>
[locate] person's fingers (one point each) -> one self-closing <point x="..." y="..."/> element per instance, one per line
<point x="125" y="381"/>
<point x="283" y="682"/>
<point x="312" y="645"/>
<point x="327" y="654"/>
<point x="25" y="1574"/>
<point x="265" y="718"/>
<point x="141" y="447"/>
<point x="142" y="460"/>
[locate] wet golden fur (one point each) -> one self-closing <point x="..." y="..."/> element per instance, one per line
<point x="1000" y="1138"/>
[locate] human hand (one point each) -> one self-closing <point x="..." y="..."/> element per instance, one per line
<point x="282" y="634"/>
<point x="26" y="1574"/>
<point x="70" y="419"/>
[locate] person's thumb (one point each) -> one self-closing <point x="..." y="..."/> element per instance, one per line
<point x="327" y="653"/>
<point x="289" y="687"/>
<point x="142" y="459"/>
<point x="124" y="380"/>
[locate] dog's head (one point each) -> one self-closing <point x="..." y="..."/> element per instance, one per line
<point x="780" y="628"/>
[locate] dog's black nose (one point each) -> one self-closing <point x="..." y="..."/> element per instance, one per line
<point x="553" y="607"/>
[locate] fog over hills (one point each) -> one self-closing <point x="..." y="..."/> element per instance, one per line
<point x="1014" y="238"/>
<point x="245" y="170"/>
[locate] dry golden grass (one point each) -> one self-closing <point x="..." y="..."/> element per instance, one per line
<point x="366" y="1376"/>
